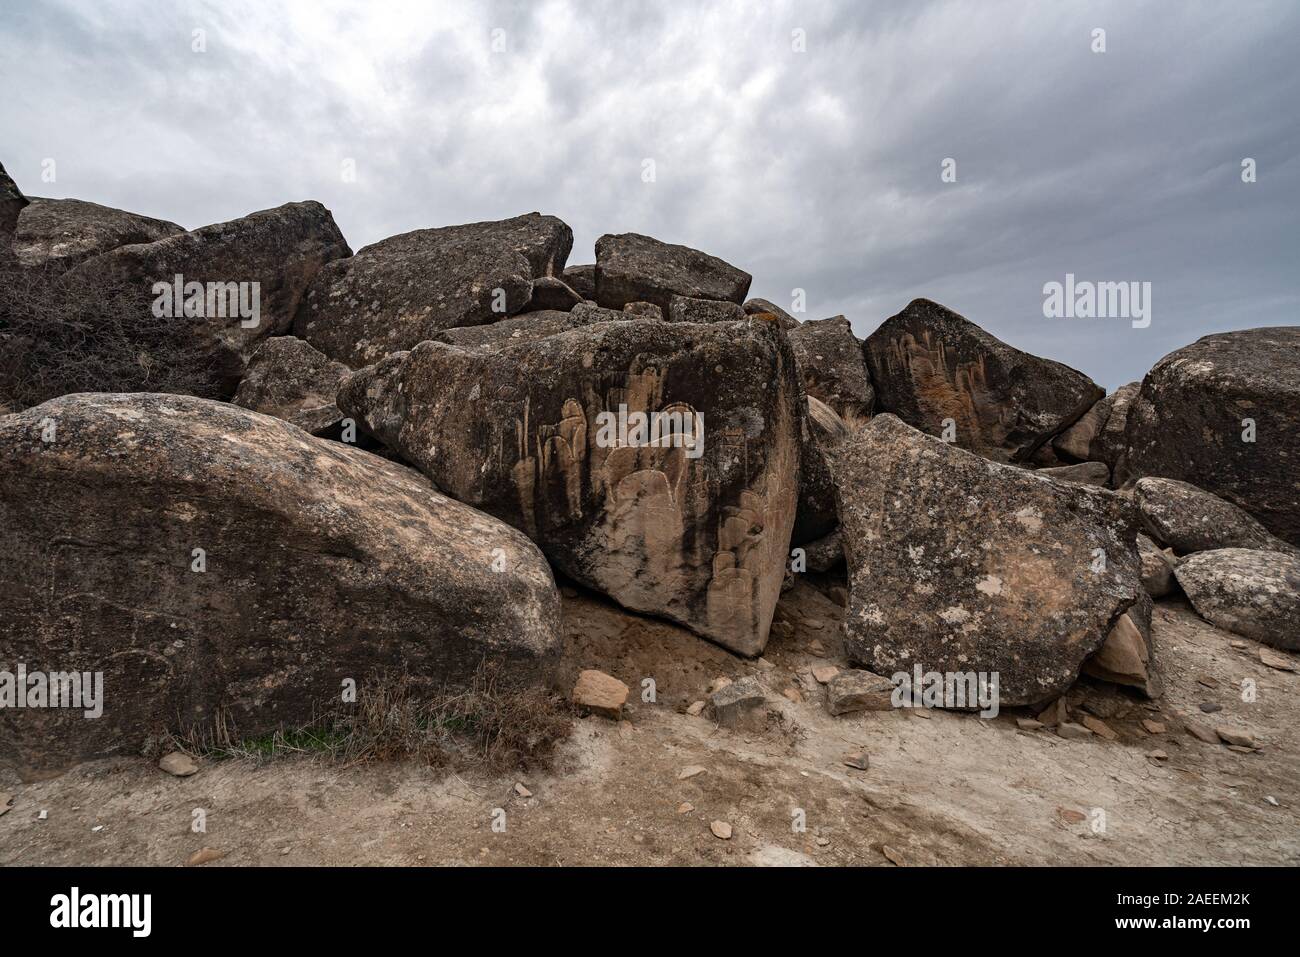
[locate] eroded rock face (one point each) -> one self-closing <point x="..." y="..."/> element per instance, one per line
<point x="280" y="250"/>
<point x="1252" y="592"/>
<point x="832" y="368"/>
<point x="522" y="433"/>
<point x="521" y="328"/>
<point x="290" y="380"/>
<point x="65" y="232"/>
<point x="405" y="289"/>
<point x="320" y="563"/>
<point x="959" y="564"/>
<point x="635" y="268"/>
<point x="929" y="365"/>
<point x="1224" y="413"/>
<point x="1183" y="517"/>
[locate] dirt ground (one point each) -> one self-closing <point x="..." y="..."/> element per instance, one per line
<point x="942" y="788"/>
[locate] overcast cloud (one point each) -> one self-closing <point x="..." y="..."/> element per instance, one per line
<point x="817" y="170"/>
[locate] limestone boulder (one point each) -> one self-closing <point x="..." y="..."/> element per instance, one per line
<point x="1253" y="592"/>
<point x="405" y="289"/>
<point x="635" y="268"/>
<point x="958" y="564"/>
<point x="933" y="368"/>
<point x="64" y="232"/>
<point x="554" y="436"/>
<point x="211" y="562"/>
<point x="1224" y="413"/>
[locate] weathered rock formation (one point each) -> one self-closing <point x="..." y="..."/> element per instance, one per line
<point x="1224" y="413"/>
<point x="1252" y="592"/>
<point x="12" y="203"/>
<point x="403" y="290"/>
<point x="823" y="429"/>
<point x="264" y="259"/>
<point x="64" y="232"/>
<point x="831" y="367"/>
<point x="959" y="564"/>
<point x="635" y="268"/>
<point x="319" y="564"/>
<point x="1181" y="516"/>
<point x="530" y="434"/>
<point x="931" y="367"/>
<point x="290" y="380"/>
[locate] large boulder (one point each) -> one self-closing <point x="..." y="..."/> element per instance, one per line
<point x="687" y="309"/>
<point x="1224" y="413"/>
<point x="403" y="290"/>
<point x="1180" y="516"/>
<point x="64" y="232"/>
<point x="959" y="564"/>
<point x="755" y="307"/>
<point x="290" y="380"/>
<point x="528" y="433"/>
<point x="581" y="279"/>
<point x="831" y="366"/>
<point x="524" y="327"/>
<point x="635" y="268"/>
<point x="1100" y="434"/>
<point x="320" y="564"/>
<point x="931" y="366"/>
<point x="1127" y="656"/>
<point x="1252" y="592"/>
<point x="264" y="260"/>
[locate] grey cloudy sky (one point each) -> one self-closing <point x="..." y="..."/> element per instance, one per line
<point x="817" y="170"/>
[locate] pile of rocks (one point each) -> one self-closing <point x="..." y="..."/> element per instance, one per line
<point x="419" y="433"/>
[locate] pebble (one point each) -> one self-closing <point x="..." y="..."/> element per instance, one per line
<point x="1154" y="727"/>
<point x="203" y="856"/>
<point x="858" y="760"/>
<point x="1271" y="658"/>
<point x="690" y="771"/>
<point x="1099" y="728"/>
<point x="721" y="830"/>
<point x="1236" y="736"/>
<point x="1209" y="707"/>
<point x="824" y="673"/>
<point x="179" y="764"/>
<point x="522" y="791"/>
<point x="1072" y="731"/>
<point x="1029" y="724"/>
<point x="695" y="709"/>
<point x="686" y="807"/>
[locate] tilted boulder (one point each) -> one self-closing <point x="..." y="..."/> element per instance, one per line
<point x="635" y="268"/>
<point x="831" y="366"/>
<point x="265" y="259"/>
<point x="1099" y="436"/>
<point x="551" y="293"/>
<point x="405" y="289"/>
<point x="958" y="563"/>
<point x="64" y="232"/>
<point x="1076" y="441"/>
<point x="319" y="564"/>
<point x="1183" y="517"/>
<point x="1224" y="413"/>
<point x="1157" y="567"/>
<point x="929" y="365"/>
<point x="1252" y="592"/>
<point x="290" y="380"/>
<point x="529" y="433"/>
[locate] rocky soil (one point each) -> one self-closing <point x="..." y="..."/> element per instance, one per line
<point x="941" y="787"/>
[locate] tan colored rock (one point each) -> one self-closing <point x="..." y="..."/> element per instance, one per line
<point x="721" y="830"/>
<point x="600" y="694"/>
<point x="1099" y="728"/>
<point x="856" y="690"/>
<point x="179" y="764"/>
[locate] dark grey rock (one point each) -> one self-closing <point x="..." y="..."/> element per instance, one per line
<point x="405" y="289"/>
<point x="687" y="309"/>
<point x="823" y="429"/>
<point x="1180" y="516"/>
<point x="65" y="232"/>
<point x="754" y="307"/>
<point x="635" y="268"/>
<point x="733" y="702"/>
<point x="582" y="280"/>
<point x="290" y="380"/>
<point x="12" y="203"/>
<point x="928" y="365"/>
<point x="958" y="563"/>
<point x="551" y="293"/>
<point x="521" y="328"/>
<point x="1186" y="422"/>
<point x="646" y="310"/>
<point x="1083" y="473"/>
<point x="832" y="368"/>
